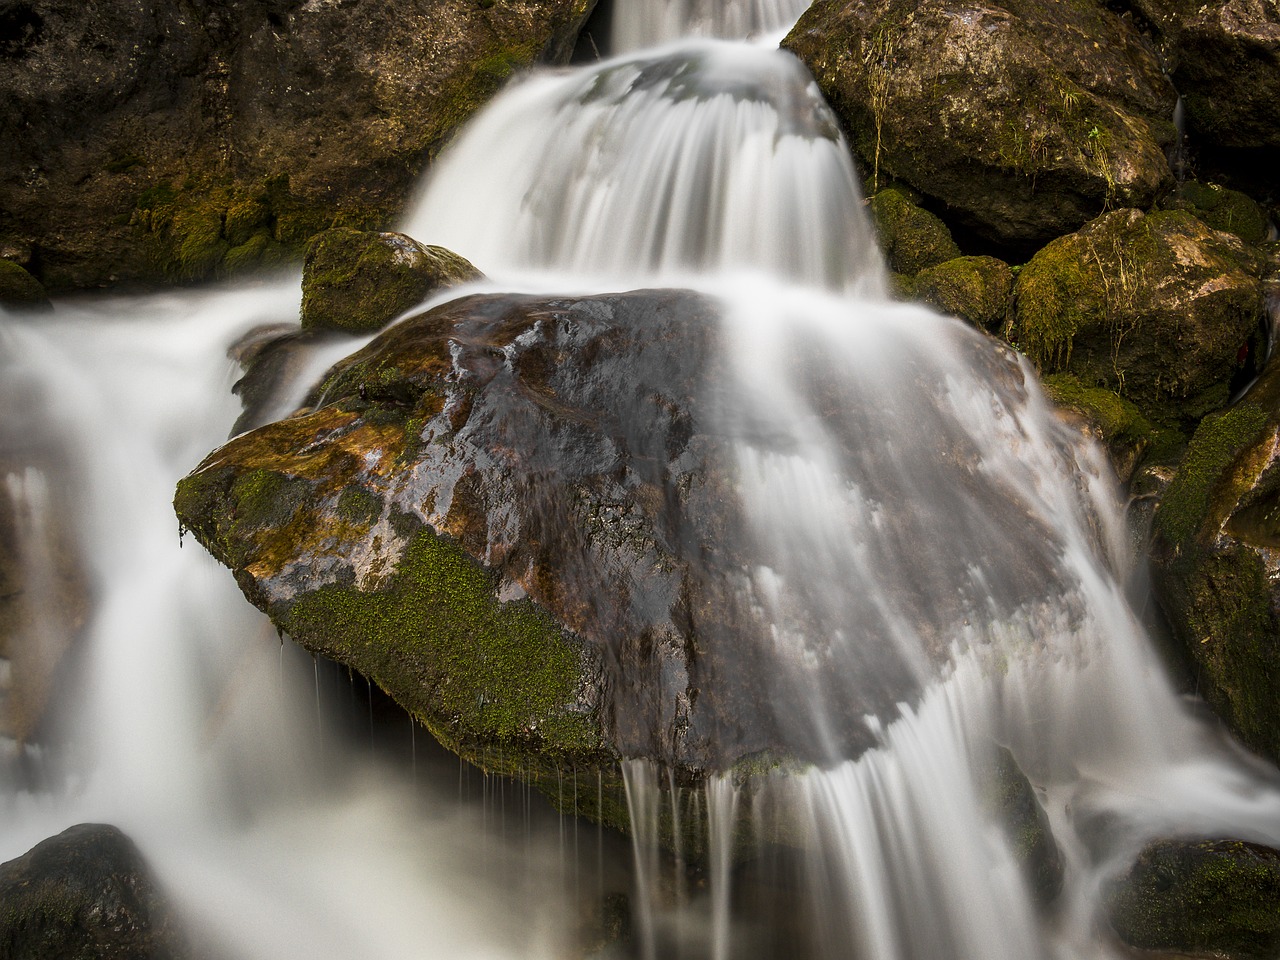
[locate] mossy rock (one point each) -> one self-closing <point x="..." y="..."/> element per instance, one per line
<point x="1023" y="119"/>
<point x="345" y="102"/>
<point x="1215" y="557"/>
<point x="1128" y="436"/>
<point x="912" y="238"/>
<point x="1159" y="308"/>
<point x="360" y="281"/>
<point x="1223" y="209"/>
<point x="976" y="289"/>
<point x="1216" y="898"/>
<point x="19" y="289"/>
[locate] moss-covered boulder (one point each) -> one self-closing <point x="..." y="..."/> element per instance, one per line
<point x="19" y="289"/>
<point x="359" y="281"/>
<point x="976" y="289"/>
<point x="912" y="238"/>
<point x="1217" y="898"/>
<point x="86" y="894"/>
<point x="1222" y="209"/>
<point x="1216" y="563"/>
<point x="1025" y="118"/>
<point x="1159" y="308"/>
<point x="150" y="143"/>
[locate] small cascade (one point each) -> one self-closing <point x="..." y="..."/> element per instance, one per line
<point x="638" y="26"/>
<point x="707" y="158"/>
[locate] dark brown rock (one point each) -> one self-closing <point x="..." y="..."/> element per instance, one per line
<point x="190" y="140"/>
<point x="1023" y="118"/>
<point x="85" y="894"/>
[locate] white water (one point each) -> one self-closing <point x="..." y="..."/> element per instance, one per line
<point x="965" y="522"/>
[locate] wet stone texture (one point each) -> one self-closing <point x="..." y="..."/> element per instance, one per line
<point x="86" y="894"/>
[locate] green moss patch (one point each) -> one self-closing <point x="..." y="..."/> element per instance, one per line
<point x="1210" y="897"/>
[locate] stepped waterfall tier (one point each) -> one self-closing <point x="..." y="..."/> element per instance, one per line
<point x="767" y="616"/>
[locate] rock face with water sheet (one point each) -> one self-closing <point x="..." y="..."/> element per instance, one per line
<point x="496" y="523"/>
<point x="529" y="520"/>
<point x="1023" y="119"/>
<point x="186" y="141"/>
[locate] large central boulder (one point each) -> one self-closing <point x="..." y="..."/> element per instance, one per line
<point x="498" y="510"/>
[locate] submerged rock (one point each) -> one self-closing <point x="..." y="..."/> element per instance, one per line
<point x="360" y="281"/>
<point x="1216" y="898"/>
<point x="151" y="143"/>
<point x="1013" y="800"/>
<point x="1160" y="308"/>
<point x="43" y="596"/>
<point x="1024" y="118"/>
<point x="1216" y="563"/>
<point x="85" y="894"/>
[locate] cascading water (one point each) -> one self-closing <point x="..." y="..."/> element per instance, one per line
<point x="916" y="513"/>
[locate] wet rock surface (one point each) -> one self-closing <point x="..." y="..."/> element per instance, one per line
<point x="85" y="894"/>
<point x="524" y="518"/>
<point x="1216" y="563"/>
<point x="1024" y="119"/>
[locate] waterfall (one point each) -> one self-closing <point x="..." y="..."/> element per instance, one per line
<point x="916" y="511"/>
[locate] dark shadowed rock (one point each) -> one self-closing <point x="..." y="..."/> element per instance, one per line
<point x="19" y="289"/>
<point x="85" y="894"/>
<point x="1217" y="898"/>
<point x="182" y="141"/>
<point x="1023" y="118"/>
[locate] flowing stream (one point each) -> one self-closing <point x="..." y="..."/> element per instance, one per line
<point x="916" y="509"/>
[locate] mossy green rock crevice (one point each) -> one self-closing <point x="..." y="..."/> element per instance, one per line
<point x="1025" y="119"/>
<point x="1216" y="898"/>
<point x="361" y="281"/>
<point x="1159" y="308"/>
<point x="1216" y="563"/>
